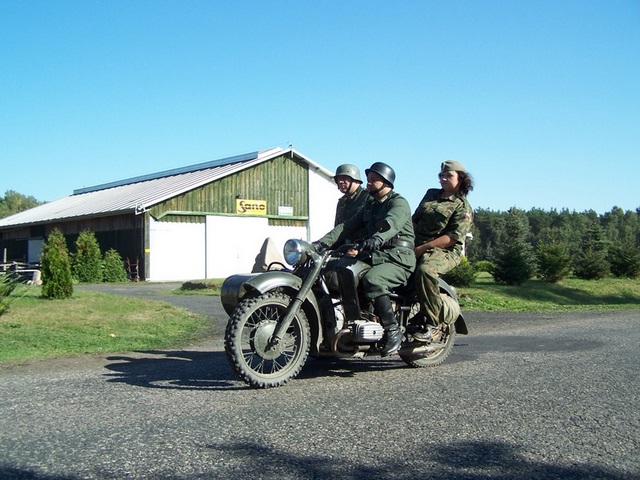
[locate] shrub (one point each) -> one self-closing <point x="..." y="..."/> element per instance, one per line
<point x="114" y="269"/>
<point x="554" y="262"/>
<point x="591" y="265"/>
<point x="625" y="261"/>
<point x="461" y="276"/>
<point x="484" y="266"/>
<point x="87" y="261"/>
<point x="56" y="268"/>
<point x="7" y="285"/>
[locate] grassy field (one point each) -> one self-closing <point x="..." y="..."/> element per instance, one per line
<point x="94" y="323"/>
<point x="541" y="296"/>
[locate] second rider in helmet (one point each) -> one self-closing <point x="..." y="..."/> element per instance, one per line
<point x="349" y="183"/>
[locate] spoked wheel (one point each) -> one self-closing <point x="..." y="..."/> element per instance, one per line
<point x="247" y="341"/>
<point x="431" y="354"/>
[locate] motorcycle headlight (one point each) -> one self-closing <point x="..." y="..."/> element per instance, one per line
<point x="294" y="252"/>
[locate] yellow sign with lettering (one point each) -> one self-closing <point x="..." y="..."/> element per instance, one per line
<point x="251" y="207"/>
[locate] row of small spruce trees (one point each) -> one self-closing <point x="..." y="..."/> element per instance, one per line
<point x="60" y="269"/>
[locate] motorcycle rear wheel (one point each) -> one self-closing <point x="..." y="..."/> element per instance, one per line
<point x="248" y="332"/>
<point x="433" y="359"/>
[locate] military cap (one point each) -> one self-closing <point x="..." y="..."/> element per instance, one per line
<point x="452" y="166"/>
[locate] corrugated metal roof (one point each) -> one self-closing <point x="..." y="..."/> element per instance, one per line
<point x="139" y="193"/>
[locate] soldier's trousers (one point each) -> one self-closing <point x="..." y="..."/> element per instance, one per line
<point x="430" y="266"/>
<point x="381" y="278"/>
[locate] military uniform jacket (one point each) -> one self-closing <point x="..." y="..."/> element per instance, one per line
<point x="438" y="215"/>
<point x="393" y="208"/>
<point x="349" y="205"/>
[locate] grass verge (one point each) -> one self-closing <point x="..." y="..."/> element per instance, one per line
<point x="92" y="322"/>
<point x="541" y="296"/>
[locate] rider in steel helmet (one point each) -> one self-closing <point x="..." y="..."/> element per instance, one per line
<point x="349" y="183"/>
<point x="384" y="170"/>
<point x="348" y="170"/>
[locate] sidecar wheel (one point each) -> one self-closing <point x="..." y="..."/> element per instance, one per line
<point x="433" y="359"/>
<point x="247" y="341"/>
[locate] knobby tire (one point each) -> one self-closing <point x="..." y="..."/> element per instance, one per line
<point x="247" y="334"/>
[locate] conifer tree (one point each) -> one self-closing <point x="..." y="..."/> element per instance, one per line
<point x="56" y="267"/>
<point x="554" y="262"/>
<point x="87" y="261"/>
<point x="515" y="260"/>
<point x="591" y="261"/>
<point x="114" y="269"/>
<point x="625" y="261"/>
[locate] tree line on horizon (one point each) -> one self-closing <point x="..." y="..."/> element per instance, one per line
<point x="519" y="244"/>
<point x="14" y="202"/>
<point x="553" y="244"/>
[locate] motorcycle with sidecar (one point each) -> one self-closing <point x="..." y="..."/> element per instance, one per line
<point x="280" y="317"/>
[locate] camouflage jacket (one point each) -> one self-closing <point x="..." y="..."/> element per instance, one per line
<point x="440" y="215"/>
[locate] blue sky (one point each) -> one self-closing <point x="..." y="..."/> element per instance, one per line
<point x="539" y="99"/>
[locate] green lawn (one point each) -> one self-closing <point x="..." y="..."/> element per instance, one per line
<point x="92" y="322"/>
<point x="540" y="296"/>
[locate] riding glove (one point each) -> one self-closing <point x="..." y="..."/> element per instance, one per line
<point x="371" y="244"/>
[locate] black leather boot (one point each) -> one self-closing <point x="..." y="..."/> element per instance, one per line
<point x="382" y="307"/>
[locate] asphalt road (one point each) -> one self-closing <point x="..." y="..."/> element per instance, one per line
<point x="529" y="396"/>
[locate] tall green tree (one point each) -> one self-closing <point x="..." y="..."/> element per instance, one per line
<point x="56" y="267"/>
<point x="14" y="202"/>
<point x="87" y="261"/>
<point x="591" y="261"/>
<point x="515" y="260"/>
<point x="487" y="228"/>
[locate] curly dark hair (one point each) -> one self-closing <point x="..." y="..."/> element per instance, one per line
<point x="466" y="183"/>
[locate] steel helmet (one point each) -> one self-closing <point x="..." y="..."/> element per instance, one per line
<point x="384" y="170"/>
<point x="348" y="170"/>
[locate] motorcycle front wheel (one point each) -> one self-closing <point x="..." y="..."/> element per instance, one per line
<point x="441" y="350"/>
<point x="247" y="341"/>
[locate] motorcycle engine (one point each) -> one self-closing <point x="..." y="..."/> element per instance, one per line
<point x="367" y="332"/>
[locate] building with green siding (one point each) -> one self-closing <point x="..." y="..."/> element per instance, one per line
<point x="201" y="221"/>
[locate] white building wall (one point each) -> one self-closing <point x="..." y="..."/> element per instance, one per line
<point x="233" y="243"/>
<point x="227" y="245"/>
<point x="323" y="197"/>
<point x="176" y="251"/>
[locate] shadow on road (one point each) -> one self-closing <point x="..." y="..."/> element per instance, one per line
<point x="468" y="459"/>
<point x="478" y="460"/>
<point x="199" y="370"/>
<point x="181" y="369"/>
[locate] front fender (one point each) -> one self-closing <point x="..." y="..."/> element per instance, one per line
<point x="235" y="287"/>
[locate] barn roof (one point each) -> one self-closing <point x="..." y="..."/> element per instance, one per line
<point x="135" y="195"/>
